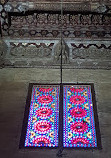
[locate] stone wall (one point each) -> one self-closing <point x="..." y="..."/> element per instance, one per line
<point x="32" y="33"/>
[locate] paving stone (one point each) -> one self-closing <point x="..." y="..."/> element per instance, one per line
<point x="86" y="76"/>
<point x="101" y="154"/>
<point x="78" y="153"/>
<point x="70" y="75"/>
<point x="105" y="131"/>
<point x="49" y="153"/>
<point x="104" y="106"/>
<point x="7" y="75"/>
<point x="38" y="75"/>
<point x="104" y="91"/>
<point x="104" y="76"/>
<point x="104" y="118"/>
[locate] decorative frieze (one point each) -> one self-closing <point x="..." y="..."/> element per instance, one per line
<point x="48" y="25"/>
<point x="33" y="37"/>
<point x="96" y="23"/>
<point x="72" y="19"/>
<point x="47" y="53"/>
<point x="67" y="5"/>
<point x="91" y="53"/>
<point x="31" y="50"/>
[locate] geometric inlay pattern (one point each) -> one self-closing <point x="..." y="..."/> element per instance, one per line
<point x="43" y="119"/>
<point x="78" y="120"/>
<point x="61" y="115"/>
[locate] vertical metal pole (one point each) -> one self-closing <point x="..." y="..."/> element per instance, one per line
<point x="61" y="39"/>
<point x="61" y="62"/>
<point x="59" y="153"/>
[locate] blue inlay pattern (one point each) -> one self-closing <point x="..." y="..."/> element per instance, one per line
<point x="43" y="120"/>
<point x="78" y="117"/>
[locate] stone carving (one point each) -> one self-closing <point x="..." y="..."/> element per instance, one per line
<point x="102" y="8"/>
<point x="74" y="55"/>
<point x="49" y="25"/>
<point x="34" y="6"/>
<point x="78" y="5"/>
<point x="56" y="19"/>
<point x="3" y="1"/>
<point x="61" y="49"/>
<point x="31" y="50"/>
<point x="22" y="7"/>
<point x="8" y="7"/>
<point x="43" y="5"/>
<point x="3" y="50"/>
<point x="91" y="53"/>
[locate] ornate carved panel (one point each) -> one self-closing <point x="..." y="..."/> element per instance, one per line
<point x="46" y="25"/>
<point x="31" y="50"/>
<point x="47" y="53"/>
<point x="32" y="31"/>
<point x="89" y="53"/>
<point x="30" y="21"/>
<point x="68" y="5"/>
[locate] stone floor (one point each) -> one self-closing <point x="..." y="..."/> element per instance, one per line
<point x="13" y="92"/>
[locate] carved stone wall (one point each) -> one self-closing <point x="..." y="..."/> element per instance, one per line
<point x="32" y="31"/>
<point x="46" y="25"/>
<point x="31" y="50"/>
<point x="70" y="5"/>
<point x="47" y="53"/>
<point x="30" y="21"/>
<point x="91" y="57"/>
<point x="91" y="53"/>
